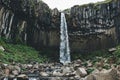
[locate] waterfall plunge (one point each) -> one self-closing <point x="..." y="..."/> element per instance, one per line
<point x="64" y="44"/>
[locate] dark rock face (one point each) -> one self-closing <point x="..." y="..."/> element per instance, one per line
<point x="32" y="22"/>
<point x="93" y="18"/>
<point x="22" y="20"/>
<point x="98" y="22"/>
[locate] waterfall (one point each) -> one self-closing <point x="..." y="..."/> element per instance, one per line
<point x="64" y="44"/>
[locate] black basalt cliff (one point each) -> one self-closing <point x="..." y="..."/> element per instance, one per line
<point x="90" y="27"/>
<point x="95" y="26"/>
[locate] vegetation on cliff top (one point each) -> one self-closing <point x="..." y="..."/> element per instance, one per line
<point x="96" y="4"/>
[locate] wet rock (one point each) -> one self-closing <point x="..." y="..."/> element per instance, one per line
<point x="77" y="64"/>
<point x="2" y="48"/>
<point x="67" y="70"/>
<point x="5" y="65"/>
<point x="77" y="77"/>
<point x="71" y="74"/>
<point x="81" y="72"/>
<point x="15" y="72"/>
<point x="100" y="64"/>
<point x="12" y="76"/>
<point x="89" y="64"/>
<point x="17" y="68"/>
<point x="22" y="77"/>
<point x="29" y="66"/>
<point x="44" y="74"/>
<point x="111" y="50"/>
<point x="36" y="66"/>
<point x="7" y="78"/>
<point x="118" y="68"/>
<point x="103" y="75"/>
<point x="57" y="73"/>
<point x="7" y="72"/>
<point x="1" y="71"/>
<point x="90" y="77"/>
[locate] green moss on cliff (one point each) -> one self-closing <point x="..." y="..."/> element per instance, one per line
<point x="19" y="53"/>
<point x="102" y="2"/>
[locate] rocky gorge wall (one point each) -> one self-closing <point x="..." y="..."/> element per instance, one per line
<point x="27" y="21"/>
<point x="90" y="27"/>
<point x="99" y="22"/>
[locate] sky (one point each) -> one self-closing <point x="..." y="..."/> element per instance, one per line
<point x="64" y="4"/>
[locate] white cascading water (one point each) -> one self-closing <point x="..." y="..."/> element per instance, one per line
<point x="64" y="44"/>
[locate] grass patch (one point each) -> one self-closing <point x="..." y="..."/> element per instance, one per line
<point x="102" y="2"/>
<point x="20" y="53"/>
<point x="91" y="55"/>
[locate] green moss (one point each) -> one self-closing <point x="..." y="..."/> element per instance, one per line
<point x="117" y="52"/>
<point x="95" y="5"/>
<point x="90" y="70"/>
<point x="20" y="53"/>
<point x="103" y="2"/>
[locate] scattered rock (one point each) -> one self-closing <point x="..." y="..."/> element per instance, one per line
<point x="17" y="68"/>
<point x="103" y="75"/>
<point x="12" y="76"/>
<point x="23" y="76"/>
<point x="89" y="64"/>
<point x="81" y="72"/>
<point x="77" y="63"/>
<point x="44" y="74"/>
<point x="15" y="72"/>
<point x="29" y="66"/>
<point x="7" y="72"/>
<point x="61" y="71"/>
<point x="111" y="50"/>
<point x="77" y="77"/>
<point x="36" y="66"/>
<point x="57" y="73"/>
<point x="2" y="48"/>
<point x="90" y="77"/>
<point x="67" y="70"/>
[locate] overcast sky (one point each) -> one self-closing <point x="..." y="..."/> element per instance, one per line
<point x="64" y="4"/>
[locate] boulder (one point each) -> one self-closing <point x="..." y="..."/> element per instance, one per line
<point x="89" y="64"/>
<point x="36" y="66"/>
<point x="103" y="75"/>
<point x="29" y="66"/>
<point x="111" y="50"/>
<point x="67" y="70"/>
<point x="81" y="72"/>
<point x="57" y="73"/>
<point x="17" y="68"/>
<point x="12" y="76"/>
<point x="90" y="77"/>
<point x="44" y="74"/>
<point x="22" y="77"/>
<point x="15" y="72"/>
<point x="2" y="48"/>
<point x="7" y="72"/>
